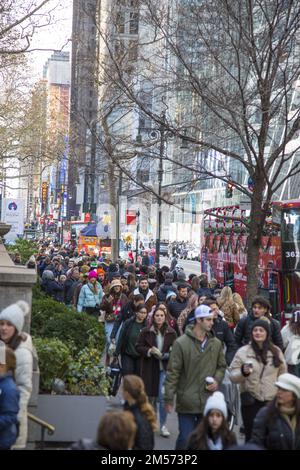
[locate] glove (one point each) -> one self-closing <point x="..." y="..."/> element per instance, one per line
<point x="156" y="352"/>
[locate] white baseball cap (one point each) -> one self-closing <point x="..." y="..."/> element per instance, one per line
<point x="203" y="311"/>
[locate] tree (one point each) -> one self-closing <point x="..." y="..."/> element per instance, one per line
<point x="225" y="73"/>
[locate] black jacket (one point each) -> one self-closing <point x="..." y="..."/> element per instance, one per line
<point x="126" y="312"/>
<point x="144" y="439"/>
<point x="176" y="307"/>
<point x="243" y="331"/>
<point x="124" y="335"/>
<point x="164" y="289"/>
<point x="225" y="335"/>
<point x="274" y="433"/>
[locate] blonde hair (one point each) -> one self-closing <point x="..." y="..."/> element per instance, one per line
<point x="225" y="296"/>
<point x="134" y="385"/>
<point x="239" y="302"/>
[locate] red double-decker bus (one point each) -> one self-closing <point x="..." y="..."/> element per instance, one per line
<point x="224" y="254"/>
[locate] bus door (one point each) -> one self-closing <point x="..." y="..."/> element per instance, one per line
<point x="229" y="275"/>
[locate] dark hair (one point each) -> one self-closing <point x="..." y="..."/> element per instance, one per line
<point x="141" y="307"/>
<point x="182" y="286"/>
<point x="210" y="302"/>
<point x="261" y="353"/>
<point x="195" y="283"/>
<point x="273" y="411"/>
<point x="204" y="282"/>
<point x="131" y="282"/>
<point x="164" y="326"/>
<point x="198" y="438"/>
<point x="145" y="269"/>
<point x="117" y="430"/>
<point x="16" y="340"/>
<point x="143" y="278"/>
<point x="138" y="297"/>
<point x="261" y="301"/>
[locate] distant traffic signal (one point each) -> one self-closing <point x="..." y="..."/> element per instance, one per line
<point x="229" y="190"/>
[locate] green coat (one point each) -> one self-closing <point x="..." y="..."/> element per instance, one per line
<point x="187" y="369"/>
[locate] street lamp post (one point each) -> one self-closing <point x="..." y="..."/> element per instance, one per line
<point x="160" y="177"/>
<point x="137" y="235"/>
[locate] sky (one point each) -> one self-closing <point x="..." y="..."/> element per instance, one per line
<point x="53" y="36"/>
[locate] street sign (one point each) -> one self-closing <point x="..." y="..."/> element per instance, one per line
<point x="130" y="217"/>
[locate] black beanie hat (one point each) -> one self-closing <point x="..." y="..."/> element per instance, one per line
<point x="263" y="322"/>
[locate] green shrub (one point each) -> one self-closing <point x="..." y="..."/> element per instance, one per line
<point x="51" y="319"/>
<point x="54" y="358"/>
<point x="86" y="375"/>
<point x="26" y="248"/>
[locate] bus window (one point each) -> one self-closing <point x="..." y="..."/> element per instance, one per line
<point x="291" y="225"/>
<point x="291" y="284"/>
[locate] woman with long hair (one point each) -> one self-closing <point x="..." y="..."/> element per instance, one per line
<point x="112" y="305"/>
<point x="291" y="342"/>
<point x="256" y="367"/>
<point x="228" y="307"/>
<point x="277" y="426"/>
<point x="193" y="303"/>
<point x="241" y="309"/>
<point x="126" y="343"/>
<point x="137" y="403"/>
<point x="213" y="433"/>
<point x="12" y="320"/>
<point x="154" y="345"/>
<point x="131" y="283"/>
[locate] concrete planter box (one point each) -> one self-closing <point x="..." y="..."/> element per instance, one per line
<point x="74" y="416"/>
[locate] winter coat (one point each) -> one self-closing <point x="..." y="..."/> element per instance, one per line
<point x="54" y="289"/>
<point x="144" y="438"/>
<point x="126" y="312"/>
<point x="173" y="263"/>
<point x="225" y="335"/>
<point x="113" y="309"/>
<point x="187" y="369"/>
<point x="150" y="300"/>
<point x="150" y="366"/>
<point x="260" y="383"/>
<point x="164" y="289"/>
<point x="87" y="298"/>
<point x="9" y="408"/>
<point x="242" y="332"/>
<point x="205" y="291"/>
<point x="177" y="306"/>
<point x="274" y="432"/>
<point x="70" y="285"/>
<point x="291" y="344"/>
<point x="23" y="378"/>
<point x="124" y="335"/>
<point x="231" y="313"/>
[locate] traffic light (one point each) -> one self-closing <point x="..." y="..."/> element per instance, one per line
<point x="229" y="190"/>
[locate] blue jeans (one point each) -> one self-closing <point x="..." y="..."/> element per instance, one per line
<point x="161" y="391"/>
<point x="108" y="326"/>
<point x="186" y="423"/>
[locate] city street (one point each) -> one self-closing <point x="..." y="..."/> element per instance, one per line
<point x="190" y="267"/>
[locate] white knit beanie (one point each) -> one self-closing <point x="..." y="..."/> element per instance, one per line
<point x="216" y="402"/>
<point x="15" y="314"/>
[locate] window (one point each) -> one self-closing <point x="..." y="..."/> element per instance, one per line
<point x="134" y="23"/>
<point x="119" y="49"/>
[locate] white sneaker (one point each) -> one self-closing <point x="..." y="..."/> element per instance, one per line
<point x="164" y="432"/>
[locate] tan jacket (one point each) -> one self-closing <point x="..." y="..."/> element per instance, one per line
<point x="260" y="383"/>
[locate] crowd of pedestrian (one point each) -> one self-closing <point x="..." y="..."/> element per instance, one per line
<point x="177" y="340"/>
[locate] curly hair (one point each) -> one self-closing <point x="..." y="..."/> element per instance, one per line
<point x="134" y="385"/>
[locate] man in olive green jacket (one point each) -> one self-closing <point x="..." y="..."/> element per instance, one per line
<point x="195" y="355"/>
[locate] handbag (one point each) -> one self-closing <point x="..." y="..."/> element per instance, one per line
<point x="247" y="399"/>
<point x="114" y="373"/>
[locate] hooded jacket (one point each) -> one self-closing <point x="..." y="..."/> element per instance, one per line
<point x="187" y="369"/>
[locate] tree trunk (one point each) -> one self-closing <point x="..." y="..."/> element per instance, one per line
<point x="257" y="221"/>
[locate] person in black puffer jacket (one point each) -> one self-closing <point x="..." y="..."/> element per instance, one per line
<point x="277" y="425"/>
<point x="128" y="311"/>
<point x="136" y="401"/>
<point x="260" y="308"/>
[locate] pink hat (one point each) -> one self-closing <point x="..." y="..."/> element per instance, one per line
<point x="92" y="274"/>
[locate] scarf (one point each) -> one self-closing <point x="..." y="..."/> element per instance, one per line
<point x="215" y="445"/>
<point x="289" y="414"/>
<point x="144" y="292"/>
